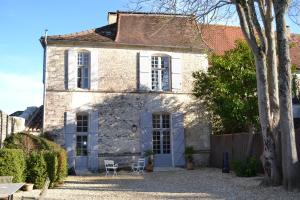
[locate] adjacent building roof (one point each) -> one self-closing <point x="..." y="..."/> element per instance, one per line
<point x="222" y="38"/>
<point x="143" y="29"/>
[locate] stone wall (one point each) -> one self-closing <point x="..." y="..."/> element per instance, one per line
<point x="118" y="112"/>
<point x="120" y="104"/>
<point x="118" y="68"/>
<point x="10" y="125"/>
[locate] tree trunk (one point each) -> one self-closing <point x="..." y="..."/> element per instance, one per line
<point x="290" y="163"/>
<point x="272" y="173"/>
<point x="273" y="91"/>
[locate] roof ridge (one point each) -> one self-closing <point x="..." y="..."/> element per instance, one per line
<point x="150" y="13"/>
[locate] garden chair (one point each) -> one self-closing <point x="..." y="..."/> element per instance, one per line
<point x="110" y="165"/>
<point x="42" y="194"/>
<point x="6" y="179"/>
<point x="139" y="166"/>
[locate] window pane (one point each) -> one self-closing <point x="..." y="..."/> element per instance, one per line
<point x="166" y="142"/>
<point x="82" y="123"/>
<point x="156" y="121"/>
<point x="156" y="142"/>
<point x="165" y="63"/>
<point x="166" y="121"/>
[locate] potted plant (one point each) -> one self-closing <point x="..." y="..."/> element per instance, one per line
<point x="189" y="151"/>
<point x="149" y="153"/>
<point x="28" y="187"/>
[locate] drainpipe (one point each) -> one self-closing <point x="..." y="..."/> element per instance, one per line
<point x="44" y="78"/>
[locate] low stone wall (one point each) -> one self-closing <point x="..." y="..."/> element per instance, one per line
<point x="10" y="125"/>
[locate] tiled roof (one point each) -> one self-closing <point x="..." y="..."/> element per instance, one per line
<point x="102" y="34"/>
<point x="144" y="29"/>
<point x="222" y="38"/>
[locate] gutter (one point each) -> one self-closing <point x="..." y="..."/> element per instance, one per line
<point x="44" y="44"/>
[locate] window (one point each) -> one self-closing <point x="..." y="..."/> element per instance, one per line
<point x="161" y="137"/>
<point x="81" y="145"/>
<point x="83" y="62"/>
<point x="82" y="123"/>
<point x="160" y="73"/>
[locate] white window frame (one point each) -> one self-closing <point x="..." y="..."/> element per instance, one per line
<point x="82" y="65"/>
<point x="161" y="130"/>
<point x="82" y="133"/>
<point x="159" y="70"/>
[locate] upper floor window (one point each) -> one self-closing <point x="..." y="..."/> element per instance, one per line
<point x="160" y="73"/>
<point x="82" y="123"/>
<point x="83" y="66"/>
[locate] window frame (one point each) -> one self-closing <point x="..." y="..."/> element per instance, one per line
<point x="164" y="148"/>
<point x="82" y="66"/>
<point x="159" y="72"/>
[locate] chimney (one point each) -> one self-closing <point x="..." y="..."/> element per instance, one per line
<point x="112" y="17"/>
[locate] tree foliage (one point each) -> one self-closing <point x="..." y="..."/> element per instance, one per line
<point x="228" y="90"/>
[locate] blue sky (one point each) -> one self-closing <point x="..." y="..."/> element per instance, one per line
<point x="22" y="22"/>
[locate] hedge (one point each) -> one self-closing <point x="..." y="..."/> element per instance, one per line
<point x="36" y="169"/>
<point x="12" y="163"/>
<point x="56" y="170"/>
<point x="51" y="160"/>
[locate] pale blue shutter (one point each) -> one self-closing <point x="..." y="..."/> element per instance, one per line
<point x="72" y="69"/>
<point x="176" y="69"/>
<point x="144" y="71"/>
<point x="94" y="69"/>
<point x="93" y="141"/>
<point x="178" y="145"/>
<point x="146" y="131"/>
<point x="70" y="137"/>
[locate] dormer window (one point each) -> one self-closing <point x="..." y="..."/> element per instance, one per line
<point x="83" y="66"/>
<point x="160" y="73"/>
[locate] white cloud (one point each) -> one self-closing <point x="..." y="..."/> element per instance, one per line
<point x="18" y="91"/>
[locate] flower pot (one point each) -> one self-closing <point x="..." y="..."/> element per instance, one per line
<point x="28" y="187"/>
<point x="190" y="166"/>
<point x="149" y="167"/>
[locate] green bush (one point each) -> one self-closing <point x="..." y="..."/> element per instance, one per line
<point x="62" y="170"/>
<point x="30" y="143"/>
<point x="51" y="160"/>
<point x="36" y="169"/>
<point x="246" y="168"/>
<point x="12" y="163"/>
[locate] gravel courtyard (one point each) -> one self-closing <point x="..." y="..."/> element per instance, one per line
<point x="206" y="183"/>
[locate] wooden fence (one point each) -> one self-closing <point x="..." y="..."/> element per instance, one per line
<point x="236" y="146"/>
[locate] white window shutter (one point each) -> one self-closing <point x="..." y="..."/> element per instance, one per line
<point x="93" y="141"/>
<point x="176" y="73"/>
<point x="72" y="69"/>
<point x="70" y="137"/>
<point x="144" y="71"/>
<point x="94" y="69"/>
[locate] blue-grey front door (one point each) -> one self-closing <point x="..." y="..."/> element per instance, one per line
<point x="161" y="140"/>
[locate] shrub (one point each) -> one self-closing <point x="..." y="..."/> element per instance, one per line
<point x="36" y="170"/>
<point x="30" y="143"/>
<point x="246" y="168"/>
<point x="188" y="152"/>
<point x="62" y="170"/>
<point x="51" y="160"/>
<point x="12" y="163"/>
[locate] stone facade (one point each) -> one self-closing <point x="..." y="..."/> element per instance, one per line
<point x="119" y="102"/>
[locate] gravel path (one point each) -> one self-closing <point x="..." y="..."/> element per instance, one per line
<point x="206" y="183"/>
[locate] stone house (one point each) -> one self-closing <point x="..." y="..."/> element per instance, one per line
<point x="116" y="91"/>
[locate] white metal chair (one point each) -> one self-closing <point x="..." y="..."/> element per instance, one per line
<point x="110" y="165"/>
<point x="139" y="166"/>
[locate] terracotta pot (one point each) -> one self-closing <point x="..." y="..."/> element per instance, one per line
<point x="149" y="167"/>
<point x="28" y="187"/>
<point x="190" y="165"/>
